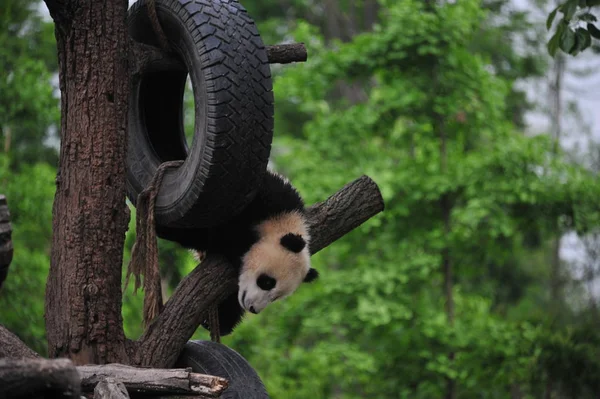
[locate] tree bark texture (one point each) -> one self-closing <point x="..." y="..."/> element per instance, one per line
<point x="6" y="247"/>
<point x="12" y="347"/>
<point x="214" y="279"/>
<point x="38" y="378"/>
<point x="110" y="389"/>
<point x="152" y="381"/>
<point x="287" y="53"/>
<point x="90" y="217"/>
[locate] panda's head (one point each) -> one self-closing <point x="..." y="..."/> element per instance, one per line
<point x="277" y="263"/>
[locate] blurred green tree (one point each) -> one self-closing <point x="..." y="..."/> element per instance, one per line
<point x="29" y="111"/>
<point x="403" y="308"/>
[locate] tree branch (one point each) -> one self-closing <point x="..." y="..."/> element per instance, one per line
<point x="30" y="378"/>
<point x="344" y="211"/>
<point x="143" y="56"/>
<point x="153" y="381"/>
<point x="12" y="347"/>
<point x="286" y="53"/>
<point x="215" y="279"/>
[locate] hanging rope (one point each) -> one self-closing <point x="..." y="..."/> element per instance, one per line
<point x="160" y="34"/>
<point x="144" y="254"/>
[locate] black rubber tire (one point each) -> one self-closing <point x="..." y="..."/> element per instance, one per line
<point x="233" y="93"/>
<point x="211" y="358"/>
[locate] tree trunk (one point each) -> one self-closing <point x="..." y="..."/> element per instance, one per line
<point x="83" y="293"/>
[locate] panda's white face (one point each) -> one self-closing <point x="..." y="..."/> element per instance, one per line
<point x="277" y="264"/>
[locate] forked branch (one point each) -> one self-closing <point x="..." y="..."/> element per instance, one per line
<point x="215" y="279"/>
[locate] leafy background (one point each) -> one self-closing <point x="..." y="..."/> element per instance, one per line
<point x="459" y="289"/>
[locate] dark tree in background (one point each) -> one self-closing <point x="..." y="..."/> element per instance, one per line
<point x="83" y="294"/>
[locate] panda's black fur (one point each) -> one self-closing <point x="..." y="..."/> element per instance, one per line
<point x="234" y="238"/>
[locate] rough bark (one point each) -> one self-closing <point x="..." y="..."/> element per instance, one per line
<point x="12" y="347"/>
<point x="38" y="378"/>
<point x="214" y="279"/>
<point x="83" y="294"/>
<point x="110" y="389"/>
<point x="6" y="247"/>
<point x="153" y="381"/>
<point x="344" y="211"/>
<point x="287" y="53"/>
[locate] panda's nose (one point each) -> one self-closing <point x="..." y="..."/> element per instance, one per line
<point x="252" y="310"/>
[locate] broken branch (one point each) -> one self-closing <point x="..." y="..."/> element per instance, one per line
<point x="153" y="381"/>
<point x="215" y="279"/>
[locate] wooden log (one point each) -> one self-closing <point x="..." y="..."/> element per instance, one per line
<point x="38" y="378"/>
<point x="12" y="347"/>
<point x="153" y="381"/>
<point x="143" y="57"/>
<point x="110" y="389"/>
<point x="6" y="246"/>
<point x="215" y="279"/>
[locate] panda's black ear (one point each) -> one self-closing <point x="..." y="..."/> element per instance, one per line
<point x="293" y="242"/>
<point x="311" y="276"/>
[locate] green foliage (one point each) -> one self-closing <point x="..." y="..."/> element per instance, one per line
<point x="29" y="194"/>
<point x="575" y="30"/>
<point x="28" y="107"/>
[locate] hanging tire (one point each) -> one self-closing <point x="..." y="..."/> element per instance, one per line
<point x="211" y="358"/>
<point x="227" y="62"/>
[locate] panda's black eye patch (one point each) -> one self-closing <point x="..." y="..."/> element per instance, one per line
<point x="293" y="242"/>
<point x="266" y="283"/>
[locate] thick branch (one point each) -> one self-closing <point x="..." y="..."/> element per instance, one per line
<point x="31" y="378"/>
<point x="6" y="247"/>
<point x="12" y="347"/>
<point x="153" y="381"/>
<point x="145" y="57"/>
<point x="286" y="53"/>
<point x="344" y="211"/>
<point x="214" y="279"/>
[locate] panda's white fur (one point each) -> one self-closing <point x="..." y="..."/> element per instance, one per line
<point x="269" y="257"/>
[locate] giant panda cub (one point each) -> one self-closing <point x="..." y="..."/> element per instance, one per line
<point x="267" y="243"/>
